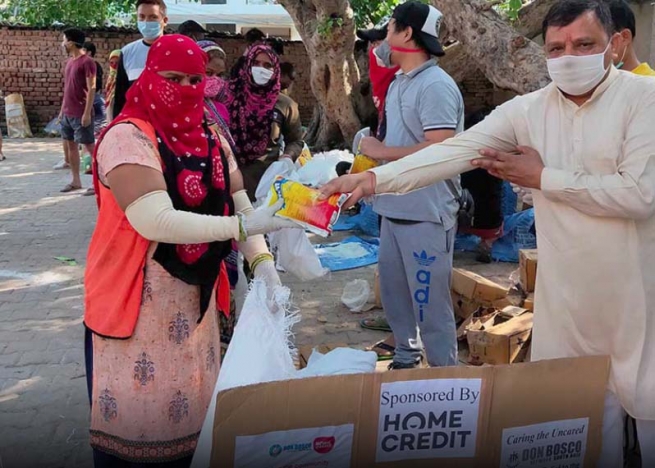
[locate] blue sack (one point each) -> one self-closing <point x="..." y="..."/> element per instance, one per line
<point x="365" y="221"/>
<point x="519" y="234"/>
<point x="353" y="252"/>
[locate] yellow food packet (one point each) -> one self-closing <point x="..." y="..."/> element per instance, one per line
<point x="305" y="156"/>
<point x="302" y="205"/>
<point x="363" y="163"/>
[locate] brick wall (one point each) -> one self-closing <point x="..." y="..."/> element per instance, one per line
<point x="32" y="61"/>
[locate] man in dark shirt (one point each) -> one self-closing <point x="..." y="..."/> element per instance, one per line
<point x="77" y="106"/>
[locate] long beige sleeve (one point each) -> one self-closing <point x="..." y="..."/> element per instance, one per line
<point x="448" y="159"/>
<point x="630" y="191"/>
<point x="154" y="217"/>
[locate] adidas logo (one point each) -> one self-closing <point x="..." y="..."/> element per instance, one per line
<point x="423" y="259"/>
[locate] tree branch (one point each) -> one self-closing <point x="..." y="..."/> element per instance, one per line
<point x="508" y="59"/>
<point x="531" y="17"/>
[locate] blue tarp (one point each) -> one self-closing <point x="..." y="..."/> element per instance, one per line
<point x="519" y="234"/>
<point x="353" y="252"/>
<point x="366" y="222"/>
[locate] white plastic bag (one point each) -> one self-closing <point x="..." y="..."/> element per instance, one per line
<point x="339" y="361"/>
<point x="356" y="295"/>
<point x="260" y="351"/>
<point x="284" y="168"/>
<point x="295" y="254"/>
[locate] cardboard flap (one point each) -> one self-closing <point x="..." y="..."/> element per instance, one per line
<point x="530" y="399"/>
<point x="473" y="286"/>
<point x="446" y="417"/>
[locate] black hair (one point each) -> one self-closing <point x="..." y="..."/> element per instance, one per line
<point x="255" y="35"/>
<point x="160" y="3"/>
<point x="287" y="69"/>
<point x="623" y="17"/>
<point x="475" y="118"/>
<point x="277" y="45"/>
<point x="400" y="26"/>
<point x="565" y="12"/>
<point x="76" y="36"/>
<point x="90" y="47"/>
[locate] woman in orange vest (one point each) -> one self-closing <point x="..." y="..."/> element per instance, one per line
<point x="170" y="204"/>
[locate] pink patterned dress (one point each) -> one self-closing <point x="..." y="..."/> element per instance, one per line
<point x="150" y="393"/>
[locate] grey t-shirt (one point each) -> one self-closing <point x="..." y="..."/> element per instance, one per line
<point x="429" y="100"/>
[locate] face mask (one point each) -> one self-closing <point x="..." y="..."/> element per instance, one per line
<point x="576" y="75"/>
<point x="261" y="75"/>
<point x="406" y="51"/>
<point x="213" y="86"/>
<point x="150" y="29"/>
<point x="383" y="55"/>
<point x="621" y="63"/>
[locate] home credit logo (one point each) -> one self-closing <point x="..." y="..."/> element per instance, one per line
<point x="426" y="419"/>
<point x="324" y="445"/>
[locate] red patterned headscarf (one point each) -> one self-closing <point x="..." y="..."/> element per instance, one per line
<point x="175" y="111"/>
<point x="251" y="107"/>
<point x="194" y="166"/>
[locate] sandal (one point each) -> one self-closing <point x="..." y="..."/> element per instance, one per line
<point x="70" y="188"/>
<point x="385" y="351"/>
<point x="2" y="157"/>
<point x="89" y="192"/>
<point x="377" y="324"/>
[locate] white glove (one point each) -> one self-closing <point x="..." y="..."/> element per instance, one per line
<point x="263" y="220"/>
<point x="267" y="271"/>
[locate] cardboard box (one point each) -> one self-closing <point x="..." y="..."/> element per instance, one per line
<point x="478" y="288"/>
<point x="480" y="320"/>
<point x="449" y="417"/>
<point x="463" y="306"/>
<point x="528" y="268"/>
<point x="529" y="302"/>
<point x="504" y="343"/>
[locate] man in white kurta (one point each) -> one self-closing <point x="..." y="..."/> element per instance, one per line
<point x="594" y="199"/>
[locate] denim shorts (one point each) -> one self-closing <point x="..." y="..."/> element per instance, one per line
<point x="72" y="130"/>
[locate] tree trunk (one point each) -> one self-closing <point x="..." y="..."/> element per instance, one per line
<point x="532" y="16"/>
<point x="327" y="28"/>
<point x="508" y="59"/>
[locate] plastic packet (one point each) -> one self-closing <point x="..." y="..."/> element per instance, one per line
<point x="302" y="205"/>
<point x="363" y="163"/>
<point x="305" y="156"/>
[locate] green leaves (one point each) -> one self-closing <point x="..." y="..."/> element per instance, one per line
<point x="511" y="8"/>
<point x="87" y="13"/>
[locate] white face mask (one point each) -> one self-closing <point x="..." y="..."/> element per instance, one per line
<point x="261" y="75"/>
<point x="576" y="75"/>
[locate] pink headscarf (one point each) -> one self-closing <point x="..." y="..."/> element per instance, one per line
<point x="251" y="107"/>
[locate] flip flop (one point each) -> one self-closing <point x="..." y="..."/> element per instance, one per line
<point x="385" y="351"/>
<point x="377" y="324"/>
<point x="70" y="188"/>
<point x="89" y="192"/>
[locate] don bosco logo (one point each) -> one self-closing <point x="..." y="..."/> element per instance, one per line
<point x="424" y="278"/>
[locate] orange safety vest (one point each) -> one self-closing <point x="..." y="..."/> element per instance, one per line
<point x="115" y="271"/>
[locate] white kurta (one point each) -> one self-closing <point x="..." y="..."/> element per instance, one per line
<point x="595" y="220"/>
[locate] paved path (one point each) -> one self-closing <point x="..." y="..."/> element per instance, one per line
<point x="43" y="401"/>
